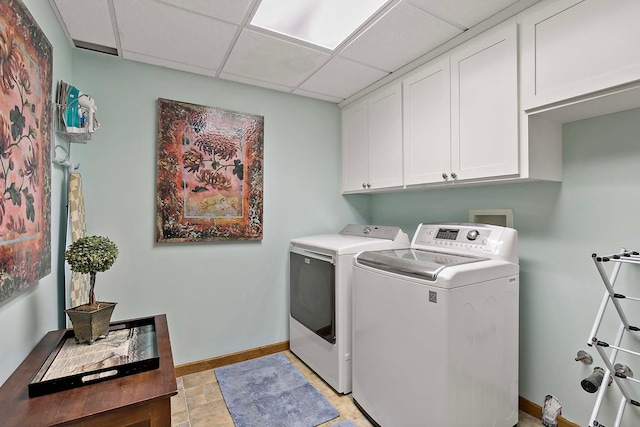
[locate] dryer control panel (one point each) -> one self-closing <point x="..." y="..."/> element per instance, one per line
<point x="466" y="238"/>
<point x="374" y="231"/>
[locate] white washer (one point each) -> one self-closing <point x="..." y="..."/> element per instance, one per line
<point x="320" y="277"/>
<point x="435" y="329"/>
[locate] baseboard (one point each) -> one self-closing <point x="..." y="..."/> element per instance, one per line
<point x="228" y="359"/>
<point x="535" y="410"/>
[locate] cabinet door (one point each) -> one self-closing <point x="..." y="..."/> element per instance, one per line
<point x="484" y="105"/>
<point x="427" y="124"/>
<point x="572" y="48"/>
<point x="355" y="147"/>
<point x="385" y="138"/>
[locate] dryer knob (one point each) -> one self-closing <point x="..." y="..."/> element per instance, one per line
<point x="473" y="235"/>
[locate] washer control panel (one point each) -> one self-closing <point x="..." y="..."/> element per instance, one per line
<point x="465" y="238"/>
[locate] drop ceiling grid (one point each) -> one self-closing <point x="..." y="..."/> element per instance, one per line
<point x="215" y="38"/>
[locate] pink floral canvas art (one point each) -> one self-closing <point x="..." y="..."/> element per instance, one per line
<point x="209" y="173"/>
<point x="25" y="138"/>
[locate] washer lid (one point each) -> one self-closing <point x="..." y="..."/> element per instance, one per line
<point x="414" y="262"/>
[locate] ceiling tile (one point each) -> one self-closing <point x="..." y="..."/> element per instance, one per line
<point x="228" y="10"/>
<point x="88" y="21"/>
<point x="254" y="82"/>
<point x="465" y="13"/>
<point x="310" y="94"/>
<point x="400" y="36"/>
<point x="168" y="63"/>
<point x="262" y="57"/>
<point x="341" y="78"/>
<point x="162" y="31"/>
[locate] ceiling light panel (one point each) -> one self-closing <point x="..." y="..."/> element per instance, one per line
<point x="325" y="23"/>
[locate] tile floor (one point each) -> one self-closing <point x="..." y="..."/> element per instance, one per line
<point x="199" y="402"/>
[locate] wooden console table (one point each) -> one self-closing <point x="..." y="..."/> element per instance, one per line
<point x="142" y="399"/>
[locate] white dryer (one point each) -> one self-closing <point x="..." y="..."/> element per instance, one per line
<point x="320" y="277"/>
<point x="435" y="329"/>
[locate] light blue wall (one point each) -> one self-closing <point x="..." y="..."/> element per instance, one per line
<point x="27" y="317"/>
<point x="594" y="209"/>
<point x="224" y="297"/>
<point x="219" y="297"/>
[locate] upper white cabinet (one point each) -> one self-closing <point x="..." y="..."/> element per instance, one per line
<point x="484" y="105"/>
<point x="461" y="112"/>
<point x="355" y="147"/>
<point x="372" y="142"/>
<point x="456" y="120"/>
<point x="427" y="124"/>
<point x="385" y="138"/>
<point x="571" y="48"/>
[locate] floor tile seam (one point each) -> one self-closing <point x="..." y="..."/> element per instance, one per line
<point x="187" y="408"/>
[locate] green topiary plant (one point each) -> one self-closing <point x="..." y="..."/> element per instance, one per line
<point x="91" y="254"/>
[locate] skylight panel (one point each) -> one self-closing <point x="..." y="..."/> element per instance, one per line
<point x="325" y="23"/>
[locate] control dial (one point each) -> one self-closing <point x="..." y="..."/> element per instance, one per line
<point x="473" y="235"/>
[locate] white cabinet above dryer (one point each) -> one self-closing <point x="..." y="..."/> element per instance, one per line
<point x="372" y="142"/>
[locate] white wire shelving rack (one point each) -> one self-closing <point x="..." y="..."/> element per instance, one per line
<point x="619" y="377"/>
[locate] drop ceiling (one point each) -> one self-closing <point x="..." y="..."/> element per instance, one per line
<point x="215" y="38"/>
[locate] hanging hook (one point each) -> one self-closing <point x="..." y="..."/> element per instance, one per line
<point x="62" y="161"/>
<point x="65" y="160"/>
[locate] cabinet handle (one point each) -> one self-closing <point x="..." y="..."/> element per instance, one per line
<point x="364" y="185"/>
<point x="454" y="175"/>
<point x="368" y="185"/>
<point x="445" y="176"/>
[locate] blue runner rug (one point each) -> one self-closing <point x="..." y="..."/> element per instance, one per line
<point x="271" y="392"/>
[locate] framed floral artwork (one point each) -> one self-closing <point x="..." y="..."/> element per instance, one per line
<point x="25" y="149"/>
<point x="209" y="183"/>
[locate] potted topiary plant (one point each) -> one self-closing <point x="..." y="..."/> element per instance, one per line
<point x="91" y="254"/>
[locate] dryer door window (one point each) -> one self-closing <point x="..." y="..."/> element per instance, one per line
<point x="312" y="294"/>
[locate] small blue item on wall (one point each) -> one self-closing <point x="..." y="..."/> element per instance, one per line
<point x="72" y="112"/>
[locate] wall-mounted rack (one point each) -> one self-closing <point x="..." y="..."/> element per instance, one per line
<point x="74" y="114"/>
<point x="619" y="376"/>
<point x="76" y="134"/>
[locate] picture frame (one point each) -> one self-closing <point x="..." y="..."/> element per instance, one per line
<point x="209" y="174"/>
<point x="25" y="150"/>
